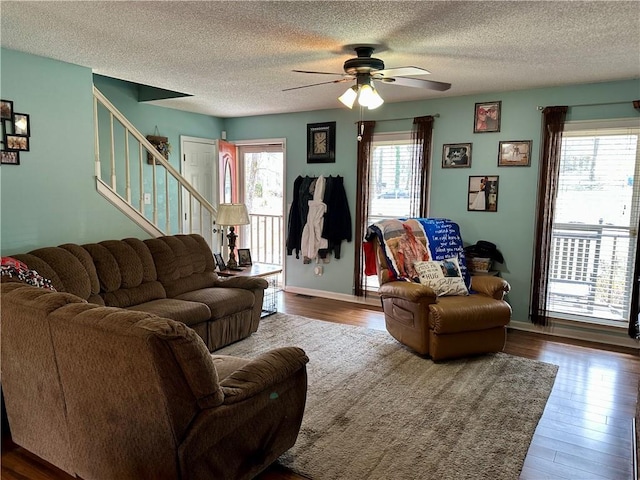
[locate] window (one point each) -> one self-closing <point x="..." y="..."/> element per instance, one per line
<point x="391" y="183"/>
<point x="595" y="223"/>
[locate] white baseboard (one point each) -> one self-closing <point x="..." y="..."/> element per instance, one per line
<point x="371" y="299"/>
<point x="586" y="332"/>
<point x="560" y="328"/>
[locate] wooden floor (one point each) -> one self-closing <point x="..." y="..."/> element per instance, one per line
<point x="586" y="431"/>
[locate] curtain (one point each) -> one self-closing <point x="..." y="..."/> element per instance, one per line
<point x="553" y="119"/>
<point x="634" y="318"/>
<point x="365" y="139"/>
<point x="421" y="138"/>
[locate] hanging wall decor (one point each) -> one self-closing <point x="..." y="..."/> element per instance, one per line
<point x="14" y="135"/>
<point x="161" y="144"/>
<point x="487" y="117"/>
<point x="456" y="155"/>
<point x="514" y="153"/>
<point x="482" y="195"/>
<point x="321" y="142"/>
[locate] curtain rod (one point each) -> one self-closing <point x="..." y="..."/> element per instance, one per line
<point x="539" y="107"/>
<point x="436" y="115"/>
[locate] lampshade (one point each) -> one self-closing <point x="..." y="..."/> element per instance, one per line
<point x="374" y="100"/>
<point x="366" y="94"/>
<point x="349" y="97"/>
<point x="232" y="214"/>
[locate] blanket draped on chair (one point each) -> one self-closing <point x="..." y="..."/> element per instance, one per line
<point x="409" y="240"/>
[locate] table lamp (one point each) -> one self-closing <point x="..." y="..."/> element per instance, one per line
<point x="230" y="215"/>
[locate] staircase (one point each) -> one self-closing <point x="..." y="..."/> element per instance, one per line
<point x="139" y="181"/>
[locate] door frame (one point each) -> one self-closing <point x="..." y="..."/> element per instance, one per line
<point x="208" y="141"/>
<point x="241" y="179"/>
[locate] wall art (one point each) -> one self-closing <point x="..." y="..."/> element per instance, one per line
<point x="482" y="195"/>
<point x="456" y="155"/>
<point x="321" y="142"/>
<point x="6" y="109"/>
<point x="16" y="142"/>
<point x="514" y="153"/>
<point x="487" y="117"/>
<point x="21" y="124"/>
<point x="9" y="157"/>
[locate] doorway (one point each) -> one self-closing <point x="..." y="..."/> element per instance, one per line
<point x="200" y="167"/>
<point x="262" y="167"/>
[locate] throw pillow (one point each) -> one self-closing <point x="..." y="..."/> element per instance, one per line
<point x="13" y="268"/>
<point x="444" y="277"/>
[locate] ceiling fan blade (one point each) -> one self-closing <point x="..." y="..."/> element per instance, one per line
<point x="321" y="83"/>
<point x="319" y="73"/>
<point x="418" y="83"/>
<point x="402" y="72"/>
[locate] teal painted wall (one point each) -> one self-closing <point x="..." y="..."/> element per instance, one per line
<point x="511" y="227"/>
<point x="51" y="198"/>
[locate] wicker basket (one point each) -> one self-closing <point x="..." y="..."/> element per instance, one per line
<point x="480" y="264"/>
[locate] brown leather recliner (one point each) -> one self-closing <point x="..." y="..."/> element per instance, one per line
<point x="444" y="327"/>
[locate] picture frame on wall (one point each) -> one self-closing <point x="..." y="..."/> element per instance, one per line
<point x="9" y="157"/>
<point x="482" y="195"/>
<point x="487" y="117"/>
<point x="16" y="142"/>
<point x="6" y="109"/>
<point x="220" y="261"/>
<point x="514" y="153"/>
<point x="244" y="257"/>
<point x="456" y="155"/>
<point x="21" y="124"/>
<point x="321" y="142"/>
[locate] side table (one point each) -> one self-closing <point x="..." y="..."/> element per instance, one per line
<point x="269" y="272"/>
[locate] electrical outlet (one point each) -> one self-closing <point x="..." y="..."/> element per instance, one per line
<point x="318" y="270"/>
<point x="147" y="199"/>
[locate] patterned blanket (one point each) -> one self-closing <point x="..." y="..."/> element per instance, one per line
<point x="410" y="240"/>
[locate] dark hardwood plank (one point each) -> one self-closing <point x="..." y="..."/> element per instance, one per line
<point x="585" y="432"/>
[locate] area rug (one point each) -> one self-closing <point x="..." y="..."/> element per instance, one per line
<point x="375" y="410"/>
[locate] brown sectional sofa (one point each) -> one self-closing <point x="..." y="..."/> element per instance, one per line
<point x="173" y="277"/>
<point x="111" y="393"/>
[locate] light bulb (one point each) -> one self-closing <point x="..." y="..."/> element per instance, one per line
<point x="365" y="97"/>
<point x="349" y="97"/>
<point x="376" y="100"/>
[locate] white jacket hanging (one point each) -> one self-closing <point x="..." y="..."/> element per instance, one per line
<point x="312" y="240"/>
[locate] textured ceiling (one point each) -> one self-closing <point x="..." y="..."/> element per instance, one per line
<point x="235" y="57"/>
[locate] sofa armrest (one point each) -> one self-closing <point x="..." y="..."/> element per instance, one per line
<point x="410" y="291"/>
<point x="494" y="287"/>
<point x="262" y="373"/>
<point x="246" y="283"/>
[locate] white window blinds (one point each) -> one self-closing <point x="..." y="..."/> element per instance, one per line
<point x="391" y="183"/>
<point x="595" y="222"/>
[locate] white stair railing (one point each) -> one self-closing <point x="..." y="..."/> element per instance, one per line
<point x="138" y="180"/>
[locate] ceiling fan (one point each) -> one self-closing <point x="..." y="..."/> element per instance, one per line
<point x="365" y="69"/>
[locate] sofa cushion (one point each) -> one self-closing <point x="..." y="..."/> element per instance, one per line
<point x="189" y="313"/>
<point x="222" y="301"/>
<point x="184" y="263"/>
<point x="67" y="268"/>
<point x="474" y="312"/>
<point x="126" y="272"/>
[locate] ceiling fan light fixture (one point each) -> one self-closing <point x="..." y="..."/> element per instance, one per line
<point x="348" y="98"/>
<point x="376" y="100"/>
<point x="365" y="95"/>
<point x="369" y="97"/>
